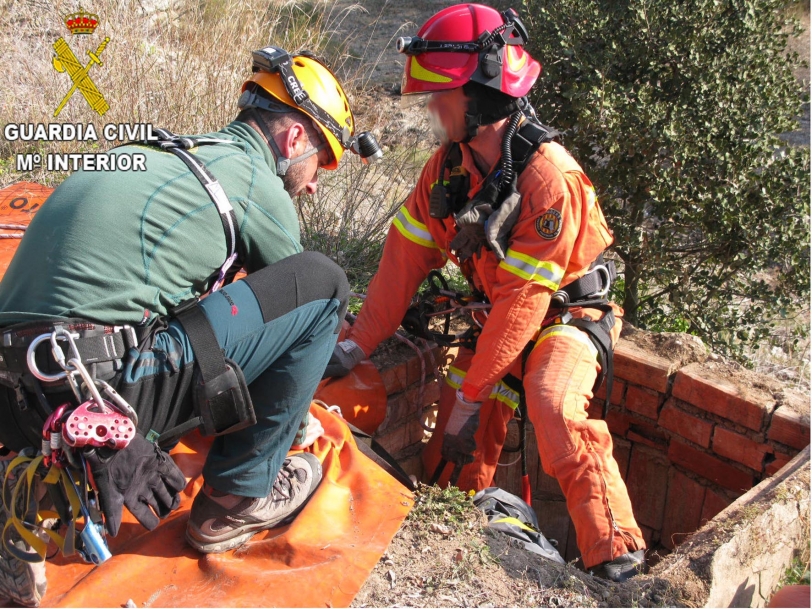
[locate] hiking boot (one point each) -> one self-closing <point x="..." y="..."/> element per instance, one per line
<point x="21" y="582"/>
<point x="621" y="568"/>
<point x="221" y="522"/>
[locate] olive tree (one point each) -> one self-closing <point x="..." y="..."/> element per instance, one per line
<point x="674" y="109"/>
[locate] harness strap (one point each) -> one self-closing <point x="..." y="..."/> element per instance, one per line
<point x="92" y="349"/>
<point x="221" y="397"/>
<point x="179" y="146"/>
<point x="529" y="138"/>
<point x="594" y="283"/>
<point x="599" y="333"/>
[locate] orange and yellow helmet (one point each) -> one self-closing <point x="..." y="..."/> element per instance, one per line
<point x="304" y="83"/>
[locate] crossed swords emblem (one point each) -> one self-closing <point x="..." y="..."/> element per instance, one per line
<point x="65" y="61"/>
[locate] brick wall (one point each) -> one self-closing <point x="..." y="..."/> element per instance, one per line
<point x="689" y="438"/>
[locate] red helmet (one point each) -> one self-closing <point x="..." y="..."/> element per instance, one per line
<point x="469" y="42"/>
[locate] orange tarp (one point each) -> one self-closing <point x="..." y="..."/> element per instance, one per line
<point x="18" y="204"/>
<point x="321" y="559"/>
<point x="360" y="394"/>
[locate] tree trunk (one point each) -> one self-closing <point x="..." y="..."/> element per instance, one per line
<point x="631" y="298"/>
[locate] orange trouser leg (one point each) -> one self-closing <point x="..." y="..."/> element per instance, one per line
<point x="575" y="450"/>
<point x="493" y="420"/>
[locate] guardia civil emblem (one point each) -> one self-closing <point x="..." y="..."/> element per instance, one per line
<point x="80" y="23"/>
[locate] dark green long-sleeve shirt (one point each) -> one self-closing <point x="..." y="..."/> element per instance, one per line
<point x="116" y="247"/>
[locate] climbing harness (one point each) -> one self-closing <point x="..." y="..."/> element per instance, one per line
<point x="180" y="147"/>
<point x="92" y="422"/>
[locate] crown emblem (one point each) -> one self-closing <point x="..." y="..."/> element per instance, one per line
<point x="81" y="22"/>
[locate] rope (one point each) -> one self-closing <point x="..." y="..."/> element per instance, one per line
<point x="20" y="227"/>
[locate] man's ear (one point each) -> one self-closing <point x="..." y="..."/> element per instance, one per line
<point x="294" y="140"/>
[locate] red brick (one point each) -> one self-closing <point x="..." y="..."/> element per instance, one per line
<point x="621" y="450"/>
<point x="618" y="422"/>
<point x="571" y="551"/>
<point x="594" y="409"/>
<point x="686" y="425"/>
<point x="647" y="434"/>
<point x="683" y="509"/>
<point x="693" y="385"/>
<point x="780" y="461"/>
<point x="739" y="448"/>
<point x="648" y="534"/>
<point x="789" y="427"/>
<point x="617" y="392"/>
<point x="394" y="378"/>
<point x="554" y="520"/>
<point x="636" y="366"/>
<point x="709" y="467"/>
<point x="647" y="483"/>
<point x="643" y="401"/>
<point x="713" y="504"/>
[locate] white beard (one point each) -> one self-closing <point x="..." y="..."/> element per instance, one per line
<point x="437" y="127"/>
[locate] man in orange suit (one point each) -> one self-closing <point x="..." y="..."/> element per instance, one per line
<point x="514" y="210"/>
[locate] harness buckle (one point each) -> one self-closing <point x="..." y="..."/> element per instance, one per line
<point x="604" y="272"/>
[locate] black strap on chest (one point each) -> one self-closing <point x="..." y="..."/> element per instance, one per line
<point x="180" y="146"/>
<point x="450" y="193"/>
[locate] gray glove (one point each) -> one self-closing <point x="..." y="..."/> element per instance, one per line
<point x="346" y="356"/>
<point x="500" y="223"/>
<point x="458" y="438"/>
<point x="471" y="229"/>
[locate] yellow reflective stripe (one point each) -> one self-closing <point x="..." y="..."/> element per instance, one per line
<point x="420" y="73"/>
<point x="514" y="521"/>
<point x="455" y="377"/>
<point x="591" y="199"/>
<point x="413" y="230"/>
<point x="547" y="274"/>
<point x="571" y="331"/>
<point x="506" y="395"/>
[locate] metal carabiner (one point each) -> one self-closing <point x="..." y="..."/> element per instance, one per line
<point x="88" y="381"/>
<point x="58" y="354"/>
<point x="119" y="402"/>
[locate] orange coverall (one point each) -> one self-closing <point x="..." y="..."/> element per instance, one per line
<point x="560" y="232"/>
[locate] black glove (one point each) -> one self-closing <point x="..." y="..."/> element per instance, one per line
<point x="458" y="439"/>
<point x="140" y="476"/>
<point x="346" y="356"/>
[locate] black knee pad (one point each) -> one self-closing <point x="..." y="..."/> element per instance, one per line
<point x="296" y="280"/>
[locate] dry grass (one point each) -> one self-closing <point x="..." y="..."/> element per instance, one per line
<point x="180" y="64"/>
<point x="173" y="63"/>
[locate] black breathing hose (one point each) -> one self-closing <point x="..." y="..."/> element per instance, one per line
<point x="507" y="157"/>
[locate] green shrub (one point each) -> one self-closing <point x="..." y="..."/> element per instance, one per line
<point x="674" y="111"/>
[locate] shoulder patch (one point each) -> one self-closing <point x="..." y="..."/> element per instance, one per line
<point x="548" y="225"/>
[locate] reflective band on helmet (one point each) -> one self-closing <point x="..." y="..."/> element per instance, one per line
<point x="547" y="274"/>
<point x="418" y="72"/>
<point x="501" y="392"/>
<point x="569" y="331"/>
<point x="413" y="230"/>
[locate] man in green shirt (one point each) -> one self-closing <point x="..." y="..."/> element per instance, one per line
<point x="118" y="259"/>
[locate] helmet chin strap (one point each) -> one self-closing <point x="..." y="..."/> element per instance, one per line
<point x="283" y="163"/>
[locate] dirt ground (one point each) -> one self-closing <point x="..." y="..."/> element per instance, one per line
<point x="445" y="556"/>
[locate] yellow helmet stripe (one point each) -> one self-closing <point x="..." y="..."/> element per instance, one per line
<point x="418" y="72"/>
